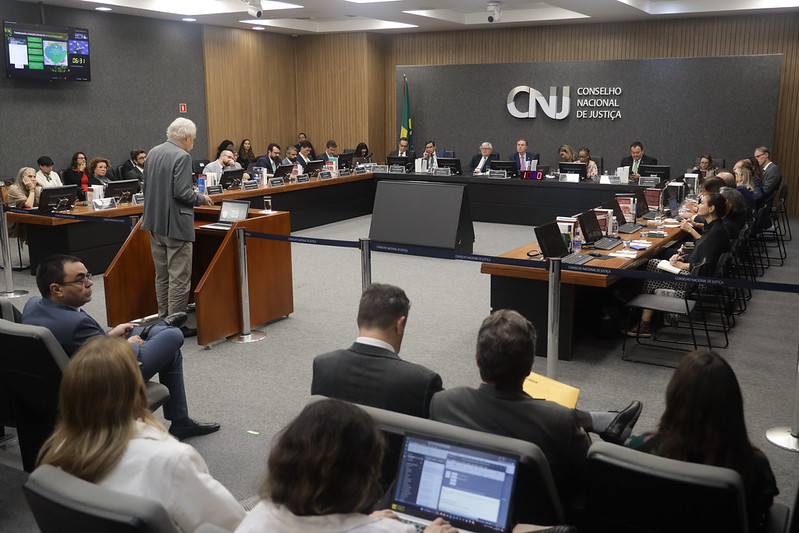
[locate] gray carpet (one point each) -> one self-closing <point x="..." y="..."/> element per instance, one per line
<point x="255" y="389"/>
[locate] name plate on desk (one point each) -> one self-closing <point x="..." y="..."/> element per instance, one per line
<point x="396" y="169"/>
<point x="361" y="170"/>
<point x="648" y="181"/>
<point x="380" y="168"/>
<point x="344" y="172"/>
<point x="276" y="182"/>
<point x="325" y="175"/>
<point x="250" y="185"/>
<point x="138" y="198"/>
<point x="442" y="171"/>
<point x="215" y="189"/>
<point x="610" y="180"/>
<point x="497" y="174"/>
<point x="101" y="204"/>
<point x="303" y="178"/>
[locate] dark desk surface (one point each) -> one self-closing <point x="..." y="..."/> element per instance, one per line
<point x="673" y="235"/>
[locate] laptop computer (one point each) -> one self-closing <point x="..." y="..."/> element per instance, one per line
<point x="592" y="232"/>
<point x="550" y="241"/>
<point x="232" y="211"/>
<point x="470" y="487"/>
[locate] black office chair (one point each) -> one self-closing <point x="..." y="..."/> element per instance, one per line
<point x="632" y="491"/>
<point x="63" y="503"/>
<point x="31" y="366"/>
<point x="536" y="499"/>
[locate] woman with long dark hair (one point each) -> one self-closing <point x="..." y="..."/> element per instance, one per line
<point x="704" y="423"/>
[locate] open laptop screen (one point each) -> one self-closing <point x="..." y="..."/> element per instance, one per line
<point x="589" y="224"/>
<point x="233" y="210"/>
<point x="470" y="487"/>
<point x="550" y="240"/>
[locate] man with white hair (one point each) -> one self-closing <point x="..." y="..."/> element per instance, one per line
<point x="169" y="201"/>
<point x="482" y="162"/>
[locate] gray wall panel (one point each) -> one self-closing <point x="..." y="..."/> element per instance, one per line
<point x="141" y="70"/>
<point x="677" y="107"/>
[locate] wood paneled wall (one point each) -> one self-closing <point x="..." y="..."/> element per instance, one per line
<point x="250" y="87"/>
<point x="344" y="87"/>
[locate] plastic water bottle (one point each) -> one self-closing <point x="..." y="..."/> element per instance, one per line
<point x="614" y="227"/>
<point x="577" y="243"/>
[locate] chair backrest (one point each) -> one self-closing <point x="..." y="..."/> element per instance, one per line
<point x="9" y="312"/>
<point x="31" y="366"/>
<point x="628" y="490"/>
<point x="63" y="503"/>
<point x="535" y="500"/>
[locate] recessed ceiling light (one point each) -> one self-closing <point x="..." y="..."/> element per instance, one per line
<point x="188" y="19"/>
<point x="103" y="8"/>
<point x="370" y="1"/>
<point x="258" y="28"/>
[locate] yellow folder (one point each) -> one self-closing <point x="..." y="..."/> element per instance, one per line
<point x="542" y="387"/>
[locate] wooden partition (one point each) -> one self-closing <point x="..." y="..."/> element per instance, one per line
<point x="130" y="280"/>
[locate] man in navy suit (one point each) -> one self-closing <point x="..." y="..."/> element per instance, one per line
<point x="523" y="158"/>
<point x="431" y="155"/>
<point x="402" y="150"/>
<point x="271" y="160"/>
<point x="65" y="286"/>
<point x="370" y="372"/>
<point x="330" y="150"/>
<point x="482" y="162"/>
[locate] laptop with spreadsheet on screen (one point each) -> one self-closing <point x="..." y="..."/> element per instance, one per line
<point x="469" y="487"/>
<point x="232" y="211"/>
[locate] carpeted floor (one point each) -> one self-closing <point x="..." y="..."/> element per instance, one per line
<point x="255" y="389"/>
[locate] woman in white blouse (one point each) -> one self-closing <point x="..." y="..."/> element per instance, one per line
<point x="107" y="435"/>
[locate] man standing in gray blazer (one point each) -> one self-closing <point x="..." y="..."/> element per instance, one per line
<point x="169" y="201"/>
<point x="370" y="372"/>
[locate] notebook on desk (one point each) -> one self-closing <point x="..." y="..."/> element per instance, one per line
<point x="232" y="211"/>
<point x="470" y="487"/>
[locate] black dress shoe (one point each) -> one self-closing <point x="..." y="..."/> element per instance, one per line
<point x="192" y="428"/>
<point x="621" y="426"/>
<point x="174" y="320"/>
<point x="188" y="332"/>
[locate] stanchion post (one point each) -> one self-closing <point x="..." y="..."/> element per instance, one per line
<point x="553" y="318"/>
<point x="366" y="262"/>
<point x="786" y="437"/>
<point x="6" y="245"/>
<point x="246" y="335"/>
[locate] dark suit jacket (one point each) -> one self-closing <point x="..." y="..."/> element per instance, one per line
<point x="70" y="327"/>
<point x="268" y="163"/>
<point x="324" y="157"/>
<point x="772" y="179"/>
<point x="132" y="174"/>
<point x="552" y="427"/>
<point x="410" y="154"/>
<point x="476" y="161"/>
<point x="529" y="155"/>
<point x="645" y="160"/>
<point x="374" y="376"/>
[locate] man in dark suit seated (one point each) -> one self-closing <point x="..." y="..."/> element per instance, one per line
<point x="524" y="159"/>
<point x="482" y="162"/>
<point x="505" y="354"/>
<point x="271" y="160"/>
<point x="636" y="158"/>
<point x="370" y="372"/>
<point x="430" y="156"/>
<point x="772" y="175"/>
<point x="133" y="168"/>
<point x="65" y="286"/>
<point x="330" y="150"/>
<point x="403" y="151"/>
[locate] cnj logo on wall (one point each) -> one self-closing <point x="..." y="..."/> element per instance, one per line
<point x="537" y="100"/>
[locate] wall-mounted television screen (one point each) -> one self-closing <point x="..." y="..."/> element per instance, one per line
<point x="46" y="53"/>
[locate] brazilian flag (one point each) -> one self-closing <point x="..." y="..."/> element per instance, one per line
<point x="405" y="127"/>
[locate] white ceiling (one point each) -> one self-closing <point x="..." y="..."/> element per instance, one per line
<point x="336" y="16"/>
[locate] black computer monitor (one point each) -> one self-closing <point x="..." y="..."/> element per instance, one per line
<point x="314" y="167"/>
<point x="574" y="168"/>
<point x="508" y="166"/>
<point x="122" y="190"/>
<point x="550" y="240"/>
<point x="361" y="160"/>
<point x="345" y="159"/>
<point x="453" y="163"/>
<point x="231" y="179"/>
<point x="58" y="198"/>
<point x="283" y="170"/>
<point x="661" y="171"/>
<point x="617" y="212"/>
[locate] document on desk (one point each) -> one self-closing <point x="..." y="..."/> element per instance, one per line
<point x="625" y="254"/>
